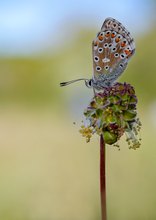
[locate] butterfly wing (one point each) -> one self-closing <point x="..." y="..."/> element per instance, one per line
<point x="112" y="49"/>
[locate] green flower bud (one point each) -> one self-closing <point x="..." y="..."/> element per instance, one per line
<point x="109" y="137"/>
<point x="113" y="113"/>
<point x="129" y="115"/>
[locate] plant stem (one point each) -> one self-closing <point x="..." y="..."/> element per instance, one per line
<point x="102" y="178"/>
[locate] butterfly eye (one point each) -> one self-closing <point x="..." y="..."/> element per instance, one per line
<point x="116" y="55"/>
<point x="100" y="50"/>
<point x="90" y="83"/>
<point x="96" y="59"/>
<point x="98" y="68"/>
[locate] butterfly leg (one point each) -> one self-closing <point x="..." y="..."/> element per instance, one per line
<point x="94" y="92"/>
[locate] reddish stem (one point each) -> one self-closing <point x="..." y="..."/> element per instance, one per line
<point x="102" y="178"/>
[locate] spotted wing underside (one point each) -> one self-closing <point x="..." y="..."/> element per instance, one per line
<point x="112" y="49"/>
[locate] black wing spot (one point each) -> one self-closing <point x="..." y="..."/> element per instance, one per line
<point x="96" y="58"/>
<point x="100" y="50"/>
<point x="98" y="68"/>
<point x="121" y="65"/>
<point x="116" y="55"/>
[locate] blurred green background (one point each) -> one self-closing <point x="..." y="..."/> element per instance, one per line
<point x="47" y="171"/>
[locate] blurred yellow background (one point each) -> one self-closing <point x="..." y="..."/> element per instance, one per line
<point x="47" y="171"/>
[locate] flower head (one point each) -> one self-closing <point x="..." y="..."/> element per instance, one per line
<point x="113" y="113"/>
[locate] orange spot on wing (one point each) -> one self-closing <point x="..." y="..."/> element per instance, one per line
<point x="123" y="44"/>
<point x="96" y="43"/>
<point x="117" y="40"/>
<point x="130" y="53"/>
<point x="127" y="52"/>
<point x="100" y="37"/>
<point x="112" y="35"/>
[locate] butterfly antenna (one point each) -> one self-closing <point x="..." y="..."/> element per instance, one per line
<point x="69" y="82"/>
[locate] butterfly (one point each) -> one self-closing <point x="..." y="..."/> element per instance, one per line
<point x="111" y="49"/>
